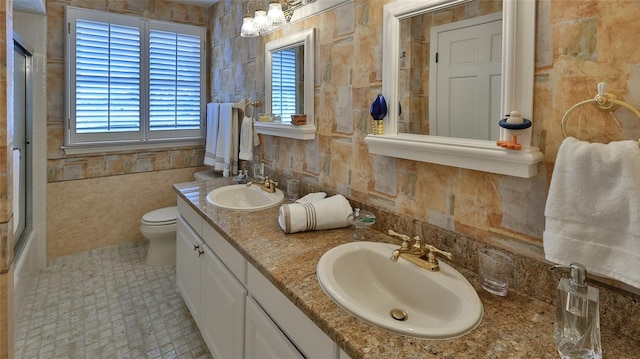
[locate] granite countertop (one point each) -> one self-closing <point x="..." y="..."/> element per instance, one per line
<point x="515" y="326"/>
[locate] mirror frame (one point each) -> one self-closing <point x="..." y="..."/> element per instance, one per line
<point x="518" y="65"/>
<point x="307" y="38"/>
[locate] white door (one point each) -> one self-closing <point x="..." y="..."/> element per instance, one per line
<point x="222" y="309"/>
<point x="188" y="266"/>
<point x="264" y="340"/>
<point x="465" y="81"/>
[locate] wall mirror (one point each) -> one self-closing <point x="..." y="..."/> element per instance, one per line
<point x="406" y="73"/>
<point x="289" y="81"/>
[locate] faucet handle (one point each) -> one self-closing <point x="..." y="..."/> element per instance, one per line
<point x="404" y="237"/>
<point x="433" y="250"/>
<point x="407" y="242"/>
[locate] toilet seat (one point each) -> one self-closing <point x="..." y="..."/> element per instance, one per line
<point x="161" y="217"/>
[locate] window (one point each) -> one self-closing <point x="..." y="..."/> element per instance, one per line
<point x="132" y="82"/>
<point x="287" y="74"/>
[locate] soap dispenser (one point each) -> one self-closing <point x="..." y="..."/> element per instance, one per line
<point x="576" y="330"/>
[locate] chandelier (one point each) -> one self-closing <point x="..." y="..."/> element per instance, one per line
<point x="278" y="13"/>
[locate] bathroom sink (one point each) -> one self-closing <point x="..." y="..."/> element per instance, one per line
<point x="399" y="296"/>
<point x="242" y="198"/>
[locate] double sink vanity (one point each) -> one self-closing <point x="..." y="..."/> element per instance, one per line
<point x="254" y="291"/>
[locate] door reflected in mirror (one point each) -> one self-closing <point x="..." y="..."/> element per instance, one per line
<point x="449" y="71"/>
<point x="287" y="82"/>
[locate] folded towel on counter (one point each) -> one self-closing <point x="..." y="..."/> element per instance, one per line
<point x="327" y="213"/>
<point x="212" y="134"/>
<point x="312" y="197"/>
<point x="593" y="209"/>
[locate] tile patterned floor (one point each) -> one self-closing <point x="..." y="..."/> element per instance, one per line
<point x="107" y="304"/>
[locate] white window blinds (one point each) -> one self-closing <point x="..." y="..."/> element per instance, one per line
<point x="133" y="80"/>
<point x="285" y="74"/>
<point x="174" y="81"/>
<point x="107" y="77"/>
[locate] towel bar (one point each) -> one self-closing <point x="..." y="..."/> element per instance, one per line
<point x="251" y="105"/>
<point x="605" y="101"/>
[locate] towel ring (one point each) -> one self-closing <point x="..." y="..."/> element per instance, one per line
<point x="605" y="101"/>
<point x="250" y="106"/>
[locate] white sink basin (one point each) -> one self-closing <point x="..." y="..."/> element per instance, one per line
<point x="242" y="198"/>
<point x="360" y="277"/>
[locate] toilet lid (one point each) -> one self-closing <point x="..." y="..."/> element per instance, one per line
<point x="166" y="215"/>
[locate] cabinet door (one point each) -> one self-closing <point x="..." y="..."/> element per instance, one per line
<point x="222" y="309"/>
<point x="188" y="266"/>
<point x="264" y="340"/>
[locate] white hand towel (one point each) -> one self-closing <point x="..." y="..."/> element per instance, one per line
<point x="16" y="188"/>
<point x="227" y="144"/>
<point x="246" y="139"/>
<point x="212" y="134"/>
<point x="326" y="213"/>
<point x="593" y="209"/>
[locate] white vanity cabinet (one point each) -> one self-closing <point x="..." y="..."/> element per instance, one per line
<point x="239" y="312"/>
<point x="222" y="306"/>
<point x="188" y="266"/>
<point x="263" y="337"/>
<point x="214" y="296"/>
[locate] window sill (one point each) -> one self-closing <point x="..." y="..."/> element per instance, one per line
<point x="471" y="154"/>
<point x="305" y="132"/>
<point x="93" y="148"/>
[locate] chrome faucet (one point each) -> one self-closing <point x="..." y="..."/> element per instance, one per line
<point x="414" y="250"/>
<point x="268" y="185"/>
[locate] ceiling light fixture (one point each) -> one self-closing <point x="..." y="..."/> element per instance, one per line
<point x="279" y="14"/>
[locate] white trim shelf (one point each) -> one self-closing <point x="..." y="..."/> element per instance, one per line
<point x="305" y="132"/>
<point x="464" y="153"/>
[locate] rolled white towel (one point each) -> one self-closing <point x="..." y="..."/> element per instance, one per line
<point x="326" y="213"/>
<point x="312" y="197"/>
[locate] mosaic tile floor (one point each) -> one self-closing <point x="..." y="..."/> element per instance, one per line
<point x="107" y="304"/>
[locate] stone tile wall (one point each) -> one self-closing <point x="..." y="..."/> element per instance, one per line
<point x="75" y="222"/>
<point x="578" y="44"/>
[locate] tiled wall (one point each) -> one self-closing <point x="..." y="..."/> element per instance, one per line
<point x="578" y="44"/>
<point x="123" y="183"/>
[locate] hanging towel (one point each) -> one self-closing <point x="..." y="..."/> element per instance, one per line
<point x="227" y="143"/>
<point x="16" y="188"/>
<point x="212" y="134"/>
<point x="246" y="139"/>
<point x="593" y="209"/>
<point x="327" y="213"/>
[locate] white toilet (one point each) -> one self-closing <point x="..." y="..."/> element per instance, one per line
<point x="159" y="227"/>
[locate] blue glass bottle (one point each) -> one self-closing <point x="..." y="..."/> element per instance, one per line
<point x="378" y="111"/>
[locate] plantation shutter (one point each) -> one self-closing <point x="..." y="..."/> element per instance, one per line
<point x="132" y="83"/>
<point x="284" y="82"/>
<point x="107" y="78"/>
<point x="174" y="81"/>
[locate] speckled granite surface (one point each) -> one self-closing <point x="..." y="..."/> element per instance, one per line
<point x="517" y="326"/>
